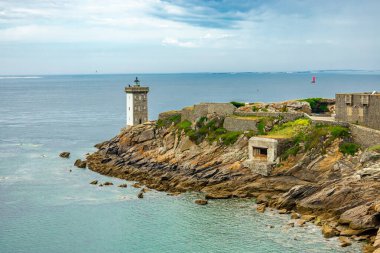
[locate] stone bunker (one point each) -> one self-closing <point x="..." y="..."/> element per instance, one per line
<point x="263" y="154"/>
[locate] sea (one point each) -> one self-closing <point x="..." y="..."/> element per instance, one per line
<point x="48" y="206"/>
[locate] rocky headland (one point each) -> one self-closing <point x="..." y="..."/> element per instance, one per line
<point x="319" y="178"/>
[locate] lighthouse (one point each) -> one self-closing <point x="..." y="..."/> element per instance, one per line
<point x="137" y="103"/>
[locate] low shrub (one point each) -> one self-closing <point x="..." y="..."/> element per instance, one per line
<point x="230" y="137"/>
<point x="237" y="104"/>
<point x="168" y="121"/>
<point x="316" y="105"/>
<point x="375" y="148"/>
<point x="349" y="148"/>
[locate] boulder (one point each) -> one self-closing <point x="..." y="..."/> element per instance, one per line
<point x="65" y="154"/>
<point x="344" y="241"/>
<point x="295" y="215"/>
<point x="140" y="195"/>
<point x="201" y="202"/>
<point x="328" y="231"/>
<point x="350" y="232"/>
<point x="282" y="211"/>
<point x="136" y="185"/>
<point x="108" y="183"/>
<point x="307" y="217"/>
<point x="300" y="222"/>
<point x="261" y="208"/>
<point x="94" y="182"/>
<point x="80" y="164"/>
<point x="359" y="218"/>
<point x="123" y="185"/>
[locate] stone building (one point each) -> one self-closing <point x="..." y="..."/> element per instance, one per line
<point x="137" y="104"/>
<point x="359" y="108"/>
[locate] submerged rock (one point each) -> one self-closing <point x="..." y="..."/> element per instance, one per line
<point x="65" y="154"/>
<point x="108" y="183"/>
<point x="344" y="241"/>
<point x="140" y="195"/>
<point x="201" y="202"/>
<point x="123" y="185"/>
<point x="94" y="182"/>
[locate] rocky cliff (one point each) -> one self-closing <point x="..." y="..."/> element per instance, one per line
<point x="339" y="192"/>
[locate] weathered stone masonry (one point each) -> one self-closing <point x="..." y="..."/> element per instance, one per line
<point x="359" y="108"/>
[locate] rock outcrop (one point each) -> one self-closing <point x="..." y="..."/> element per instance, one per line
<point x="65" y="154"/>
<point x="329" y="189"/>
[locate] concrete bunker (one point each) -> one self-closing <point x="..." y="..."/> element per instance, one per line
<point x="263" y="154"/>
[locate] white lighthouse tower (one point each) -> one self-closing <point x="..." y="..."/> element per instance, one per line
<point x="137" y="103"/>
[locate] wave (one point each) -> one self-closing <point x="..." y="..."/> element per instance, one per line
<point x="20" y="77"/>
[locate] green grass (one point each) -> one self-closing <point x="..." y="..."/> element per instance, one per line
<point x="349" y="148"/>
<point x="289" y="129"/>
<point x="237" y="104"/>
<point x="375" y="148"/>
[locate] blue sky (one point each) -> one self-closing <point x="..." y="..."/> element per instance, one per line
<point x="168" y="36"/>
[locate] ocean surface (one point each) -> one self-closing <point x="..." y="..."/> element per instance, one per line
<point x="46" y="208"/>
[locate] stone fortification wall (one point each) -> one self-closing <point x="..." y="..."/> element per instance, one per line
<point x="204" y="109"/>
<point x="287" y="116"/>
<point x="239" y="124"/>
<point x="168" y="114"/>
<point x="361" y="108"/>
<point x="364" y="136"/>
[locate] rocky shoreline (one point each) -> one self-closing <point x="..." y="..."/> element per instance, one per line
<point x="339" y="193"/>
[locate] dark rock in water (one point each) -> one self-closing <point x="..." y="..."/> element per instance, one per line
<point x="101" y="185"/>
<point x="140" y="195"/>
<point x="65" y="154"/>
<point x="80" y="164"/>
<point x="123" y="186"/>
<point x="201" y="202"/>
<point x="108" y="183"/>
<point x="94" y="182"/>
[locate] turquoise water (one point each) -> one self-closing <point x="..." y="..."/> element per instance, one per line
<point x="46" y="208"/>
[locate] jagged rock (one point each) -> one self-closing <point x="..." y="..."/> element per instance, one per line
<point x="344" y="241"/>
<point x="261" y="208"/>
<point x="146" y="135"/>
<point x="295" y="215"/>
<point x="300" y="222"/>
<point x="288" y="199"/>
<point x="263" y="198"/>
<point x="80" y="164"/>
<point x="144" y="190"/>
<point x="350" y="232"/>
<point x="65" y="154"/>
<point x="377" y="239"/>
<point x="282" y="211"/>
<point x="369" y="156"/>
<point x="307" y="217"/>
<point x="94" y="182"/>
<point x="359" y="218"/>
<point x="201" y="202"/>
<point x="328" y="231"/>
<point x="108" y="183"/>
<point x="136" y="185"/>
<point x="123" y="185"/>
<point x="140" y="195"/>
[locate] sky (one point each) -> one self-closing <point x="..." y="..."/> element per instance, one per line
<point x="177" y="36"/>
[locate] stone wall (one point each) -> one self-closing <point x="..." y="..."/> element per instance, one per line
<point x="168" y="114"/>
<point x="239" y="124"/>
<point x="364" y="136"/>
<point x="360" y="108"/>
<point x="287" y="116"/>
<point x="204" y="109"/>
